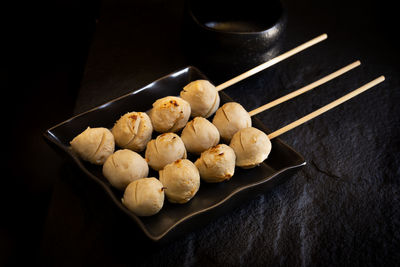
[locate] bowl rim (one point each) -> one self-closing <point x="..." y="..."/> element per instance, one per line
<point x="269" y="31"/>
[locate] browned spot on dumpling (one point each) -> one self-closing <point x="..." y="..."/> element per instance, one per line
<point x="133" y="117"/>
<point x="214" y="149"/>
<point x="173" y="102"/>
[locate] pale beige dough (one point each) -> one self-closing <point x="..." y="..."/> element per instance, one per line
<point x="216" y="164"/>
<point x="169" y="114"/>
<point x="199" y="134"/>
<point x="251" y="147"/>
<point x="165" y="149"/>
<point x="144" y="197"/>
<point x="181" y="180"/>
<point x="203" y="98"/>
<point x="123" y="167"/>
<point x="132" y="131"/>
<point x="230" y="118"/>
<point x="94" y="145"/>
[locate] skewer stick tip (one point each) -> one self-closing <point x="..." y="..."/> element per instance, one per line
<point x="272" y="62"/>
<point x="327" y="107"/>
<point x="306" y="88"/>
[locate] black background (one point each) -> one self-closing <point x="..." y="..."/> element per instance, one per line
<point x="64" y="57"/>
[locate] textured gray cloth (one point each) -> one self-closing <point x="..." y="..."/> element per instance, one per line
<point x="341" y="209"/>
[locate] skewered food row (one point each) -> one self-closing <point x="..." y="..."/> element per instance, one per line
<point x="179" y="178"/>
<point x="125" y="169"/>
<point x="199" y="98"/>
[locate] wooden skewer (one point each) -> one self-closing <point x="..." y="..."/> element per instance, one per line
<point x="326" y="107"/>
<point x="271" y="62"/>
<point x="305" y="88"/>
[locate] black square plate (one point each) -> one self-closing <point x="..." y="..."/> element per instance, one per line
<point x="212" y="199"/>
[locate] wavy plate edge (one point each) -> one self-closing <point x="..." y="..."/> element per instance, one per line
<point x="54" y="141"/>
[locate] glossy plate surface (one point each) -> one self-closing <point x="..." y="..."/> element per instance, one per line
<point x="212" y="199"/>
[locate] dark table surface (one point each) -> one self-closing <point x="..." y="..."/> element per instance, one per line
<point x="342" y="208"/>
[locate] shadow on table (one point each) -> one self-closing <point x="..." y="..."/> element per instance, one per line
<point x="84" y="227"/>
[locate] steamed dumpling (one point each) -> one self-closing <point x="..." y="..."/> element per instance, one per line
<point x="216" y="164"/>
<point x="251" y="147"/>
<point x="94" y="145"/>
<point x="132" y="131"/>
<point x="165" y="149"/>
<point x="144" y="197"/>
<point x="202" y="96"/>
<point x="230" y="118"/>
<point x="123" y="167"/>
<point x="181" y="180"/>
<point x="199" y="134"/>
<point x="169" y="114"/>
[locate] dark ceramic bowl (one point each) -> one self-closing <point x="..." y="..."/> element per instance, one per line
<point x="212" y="200"/>
<point x="231" y="37"/>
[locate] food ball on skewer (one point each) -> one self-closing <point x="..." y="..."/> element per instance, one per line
<point x="123" y="167"/>
<point x="202" y="96"/>
<point x="132" y="131"/>
<point x="144" y="197"/>
<point x="216" y="164"/>
<point x="230" y="118"/>
<point x="251" y="147"/>
<point x="181" y="180"/>
<point x="169" y="114"/>
<point x="199" y="134"/>
<point x="165" y="149"/>
<point x="94" y="145"/>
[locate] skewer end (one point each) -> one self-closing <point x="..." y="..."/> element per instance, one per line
<point x="378" y="80"/>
